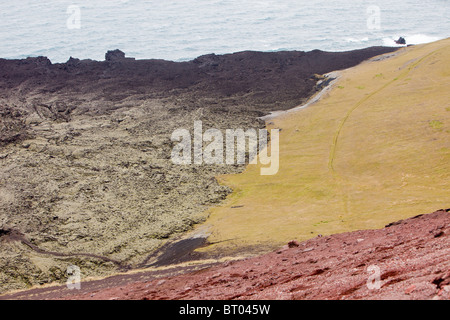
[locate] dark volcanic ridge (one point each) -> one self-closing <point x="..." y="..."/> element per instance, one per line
<point x="85" y="170"/>
<point x="265" y="81"/>
<point x="271" y="77"/>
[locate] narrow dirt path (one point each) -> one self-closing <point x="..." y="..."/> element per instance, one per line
<point x="365" y="99"/>
<point x="172" y="253"/>
<point x="16" y="236"/>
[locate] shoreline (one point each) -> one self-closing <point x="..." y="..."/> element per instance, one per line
<point x="330" y="79"/>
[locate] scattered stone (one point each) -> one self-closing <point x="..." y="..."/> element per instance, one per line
<point x="114" y="55"/>
<point x="293" y="244"/>
<point x="160" y="282"/>
<point x="400" y="40"/>
<point x="410" y="289"/>
<point x="186" y="290"/>
<point x="439" y="234"/>
<point x="283" y="249"/>
<point x="442" y="280"/>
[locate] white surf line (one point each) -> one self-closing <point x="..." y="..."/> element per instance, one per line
<point x="335" y="75"/>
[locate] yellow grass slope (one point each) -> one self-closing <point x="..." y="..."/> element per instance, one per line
<point x="374" y="150"/>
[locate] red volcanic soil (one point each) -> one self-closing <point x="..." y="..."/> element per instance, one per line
<point x="410" y="258"/>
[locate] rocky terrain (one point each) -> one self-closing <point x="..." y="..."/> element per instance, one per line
<point x="407" y="259"/>
<point x="85" y="170"/>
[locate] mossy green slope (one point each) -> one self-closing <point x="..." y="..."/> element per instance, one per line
<point x="374" y="150"/>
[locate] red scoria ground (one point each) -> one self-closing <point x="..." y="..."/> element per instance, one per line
<point x="412" y="257"/>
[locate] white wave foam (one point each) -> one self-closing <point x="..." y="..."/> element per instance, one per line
<point x="420" y="38"/>
<point x="412" y="39"/>
<point x="356" y="40"/>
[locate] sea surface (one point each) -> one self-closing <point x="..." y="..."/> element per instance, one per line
<point x="184" y="29"/>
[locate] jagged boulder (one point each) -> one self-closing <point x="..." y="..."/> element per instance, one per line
<point x="114" y="55"/>
<point x="401" y="40"/>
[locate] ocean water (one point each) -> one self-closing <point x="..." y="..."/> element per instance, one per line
<point x="184" y="29"/>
